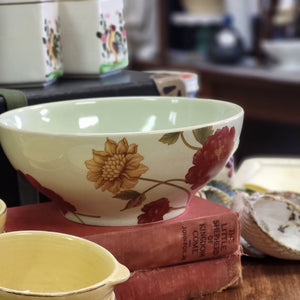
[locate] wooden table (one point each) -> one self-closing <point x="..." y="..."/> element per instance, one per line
<point x="265" y="279"/>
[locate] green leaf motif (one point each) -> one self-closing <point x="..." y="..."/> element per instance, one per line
<point x="127" y="195"/>
<point x="134" y="198"/>
<point x="135" y="202"/>
<point x="202" y="134"/>
<point x="99" y="34"/>
<point x="170" y="138"/>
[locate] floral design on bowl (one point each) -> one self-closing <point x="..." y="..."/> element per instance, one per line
<point x="118" y="167"/>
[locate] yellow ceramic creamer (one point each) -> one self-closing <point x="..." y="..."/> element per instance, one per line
<point x="46" y="265"/>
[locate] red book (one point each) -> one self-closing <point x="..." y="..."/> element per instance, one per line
<point x="182" y="282"/>
<point x="205" y="230"/>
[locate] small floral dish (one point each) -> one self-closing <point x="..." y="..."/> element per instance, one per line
<point x="270" y="223"/>
<point x="121" y="161"/>
<point x="217" y="192"/>
<point x="48" y="265"/>
<point x="223" y="194"/>
<point x="268" y="200"/>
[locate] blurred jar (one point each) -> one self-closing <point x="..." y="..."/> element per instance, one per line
<point x="93" y="36"/>
<point x="186" y="83"/>
<point x="30" y="51"/>
<point x="193" y="32"/>
<point x="280" y="19"/>
<point x="280" y="35"/>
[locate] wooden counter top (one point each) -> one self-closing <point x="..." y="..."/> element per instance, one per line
<point x="264" y="279"/>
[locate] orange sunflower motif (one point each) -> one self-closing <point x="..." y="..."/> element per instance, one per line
<point x="117" y="167"/>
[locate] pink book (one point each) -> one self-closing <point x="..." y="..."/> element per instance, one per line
<point x="205" y="230"/>
<point x="182" y="282"/>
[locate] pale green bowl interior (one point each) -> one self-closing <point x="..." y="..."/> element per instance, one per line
<point x="116" y="115"/>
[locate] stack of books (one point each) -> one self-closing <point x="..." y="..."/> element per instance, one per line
<point x="194" y="254"/>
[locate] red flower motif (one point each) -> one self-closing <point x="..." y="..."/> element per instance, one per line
<point x="124" y="34"/>
<point x="104" y="38"/>
<point x="62" y="204"/>
<point x="154" y="211"/>
<point x="230" y="166"/>
<point x="209" y="160"/>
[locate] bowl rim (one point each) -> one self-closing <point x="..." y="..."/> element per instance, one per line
<point x="65" y="293"/>
<point x="239" y="114"/>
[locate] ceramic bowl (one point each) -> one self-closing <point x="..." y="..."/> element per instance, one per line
<point x="284" y="52"/>
<point x="3" y="213"/>
<point x="121" y="161"/>
<point x="30" y="52"/>
<point x="46" y="265"/>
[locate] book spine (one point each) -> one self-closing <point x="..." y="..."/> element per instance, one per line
<point x="182" y="282"/>
<point x="173" y="243"/>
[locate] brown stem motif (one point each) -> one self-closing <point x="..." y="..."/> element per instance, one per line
<point x="166" y="182"/>
<point x="85" y="215"/>
<point x="136" y="198"/>
<point x="187" y="144"/>
<point x="76" y="215"/>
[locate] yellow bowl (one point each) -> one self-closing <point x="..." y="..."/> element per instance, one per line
<point x="3" y="210"/>
<point x="46" y="265"/>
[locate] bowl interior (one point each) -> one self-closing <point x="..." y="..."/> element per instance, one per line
<point x="42" y="262"/>
<point x="117" y="115"/>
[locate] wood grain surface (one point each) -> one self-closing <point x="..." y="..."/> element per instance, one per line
<point x="264" y="279"/>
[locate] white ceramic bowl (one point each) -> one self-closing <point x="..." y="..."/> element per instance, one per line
<point x="41" y="265"/>
<point x="284" y="52"/>
<point x="121" y="161"/>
